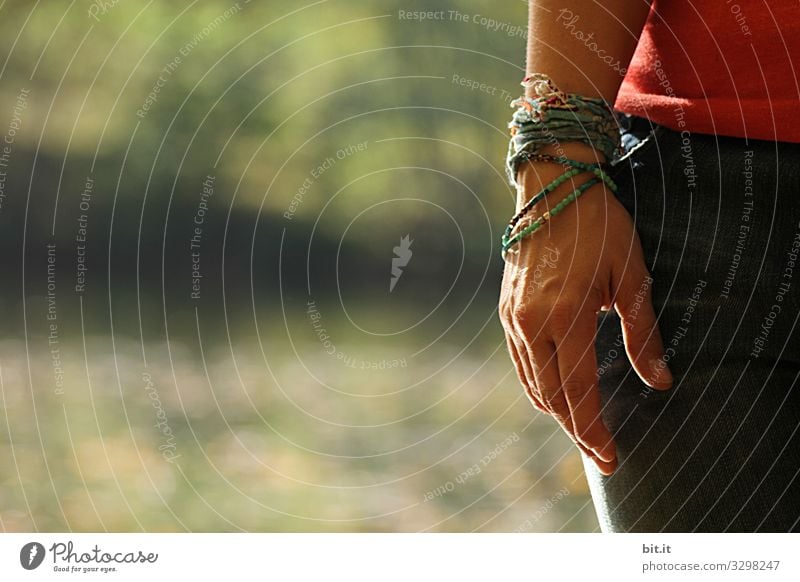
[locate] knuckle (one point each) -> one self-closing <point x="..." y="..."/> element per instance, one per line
<point x="587" y="433"/>
<point x="555" y="403"/>
<point x="504" y="308"/>
<point x="507" y="322"/>
<point x="540" y="407"/>
<point x="525" y="316"/>
<point x="562" y="314"/>
<point x="635" y="288"/>
<point x="573" y="390"/>
<point x="562" y="418"/>
<point x="535" y="400"/>
<point x="640" y="332"/>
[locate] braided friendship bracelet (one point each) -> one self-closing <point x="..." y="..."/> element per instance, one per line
<point x="508" y="242"/>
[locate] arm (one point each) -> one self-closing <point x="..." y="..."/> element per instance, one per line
<point x="583" y="47"/>
<point x="594" y="257"/>
<point x="579" y="44"/>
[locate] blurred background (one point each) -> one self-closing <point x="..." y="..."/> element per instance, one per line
<point x="250" y="271"/>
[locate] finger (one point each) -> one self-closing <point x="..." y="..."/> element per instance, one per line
<point x="577" y="367"/>
<point x="605" y="467"/>
<point x="529" y="390"/>
<point x="515" y="319"/>
<point x="634" y="304"/>
<point x="524" y="371"/>
<point x="526" y="328"/>
<point x="548" y="383"/>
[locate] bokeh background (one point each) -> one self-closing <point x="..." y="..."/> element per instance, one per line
<point x="200" y="203"/>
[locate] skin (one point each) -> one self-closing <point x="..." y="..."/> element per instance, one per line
<point x="589" y="257"/>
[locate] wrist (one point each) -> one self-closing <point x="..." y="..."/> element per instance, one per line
<point x="533" y="176"/>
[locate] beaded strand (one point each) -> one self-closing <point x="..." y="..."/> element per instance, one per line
<point x="508" y="242"/>
<point x="578" y="168"/>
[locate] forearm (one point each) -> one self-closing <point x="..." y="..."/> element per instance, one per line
<point x="584" y="45"/>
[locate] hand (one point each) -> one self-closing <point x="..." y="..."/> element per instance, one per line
<point x="588" y="258"/>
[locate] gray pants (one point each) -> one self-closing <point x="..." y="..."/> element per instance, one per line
<point x="719" y="220"/>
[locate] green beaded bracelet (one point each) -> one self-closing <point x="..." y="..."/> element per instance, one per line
<point x="507" y="241"/>
<point x="578" y="168"/>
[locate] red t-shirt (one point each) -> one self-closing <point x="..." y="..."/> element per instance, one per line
<point x="718" y="66"/>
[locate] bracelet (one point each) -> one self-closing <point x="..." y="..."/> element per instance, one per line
<point x="542" y="193"/>
<point x="598" y="169"/>
<point x="508" y="242"/>
<point x="552" y="116"/>
<point x="578" y="168"/>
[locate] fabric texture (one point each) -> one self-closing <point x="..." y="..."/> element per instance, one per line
<point x="725" y="68"/>
<point x="720" y="226"/>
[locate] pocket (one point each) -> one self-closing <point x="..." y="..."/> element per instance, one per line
<point x="638" y="144"/>
<point x="643" y="142"/>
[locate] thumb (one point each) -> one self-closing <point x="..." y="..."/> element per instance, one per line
<point x="640" y="331"/>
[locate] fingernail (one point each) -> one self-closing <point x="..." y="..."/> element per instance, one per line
<point x="660" y="372"/>
<point x="604" y="456"/>
<point x="607" y="454"/>
<point x="610" y="468"/>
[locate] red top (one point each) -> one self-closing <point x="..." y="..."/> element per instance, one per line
<point x="721" y="66"/>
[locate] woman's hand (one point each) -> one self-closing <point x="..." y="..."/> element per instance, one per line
<point x="588" y="258"/>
